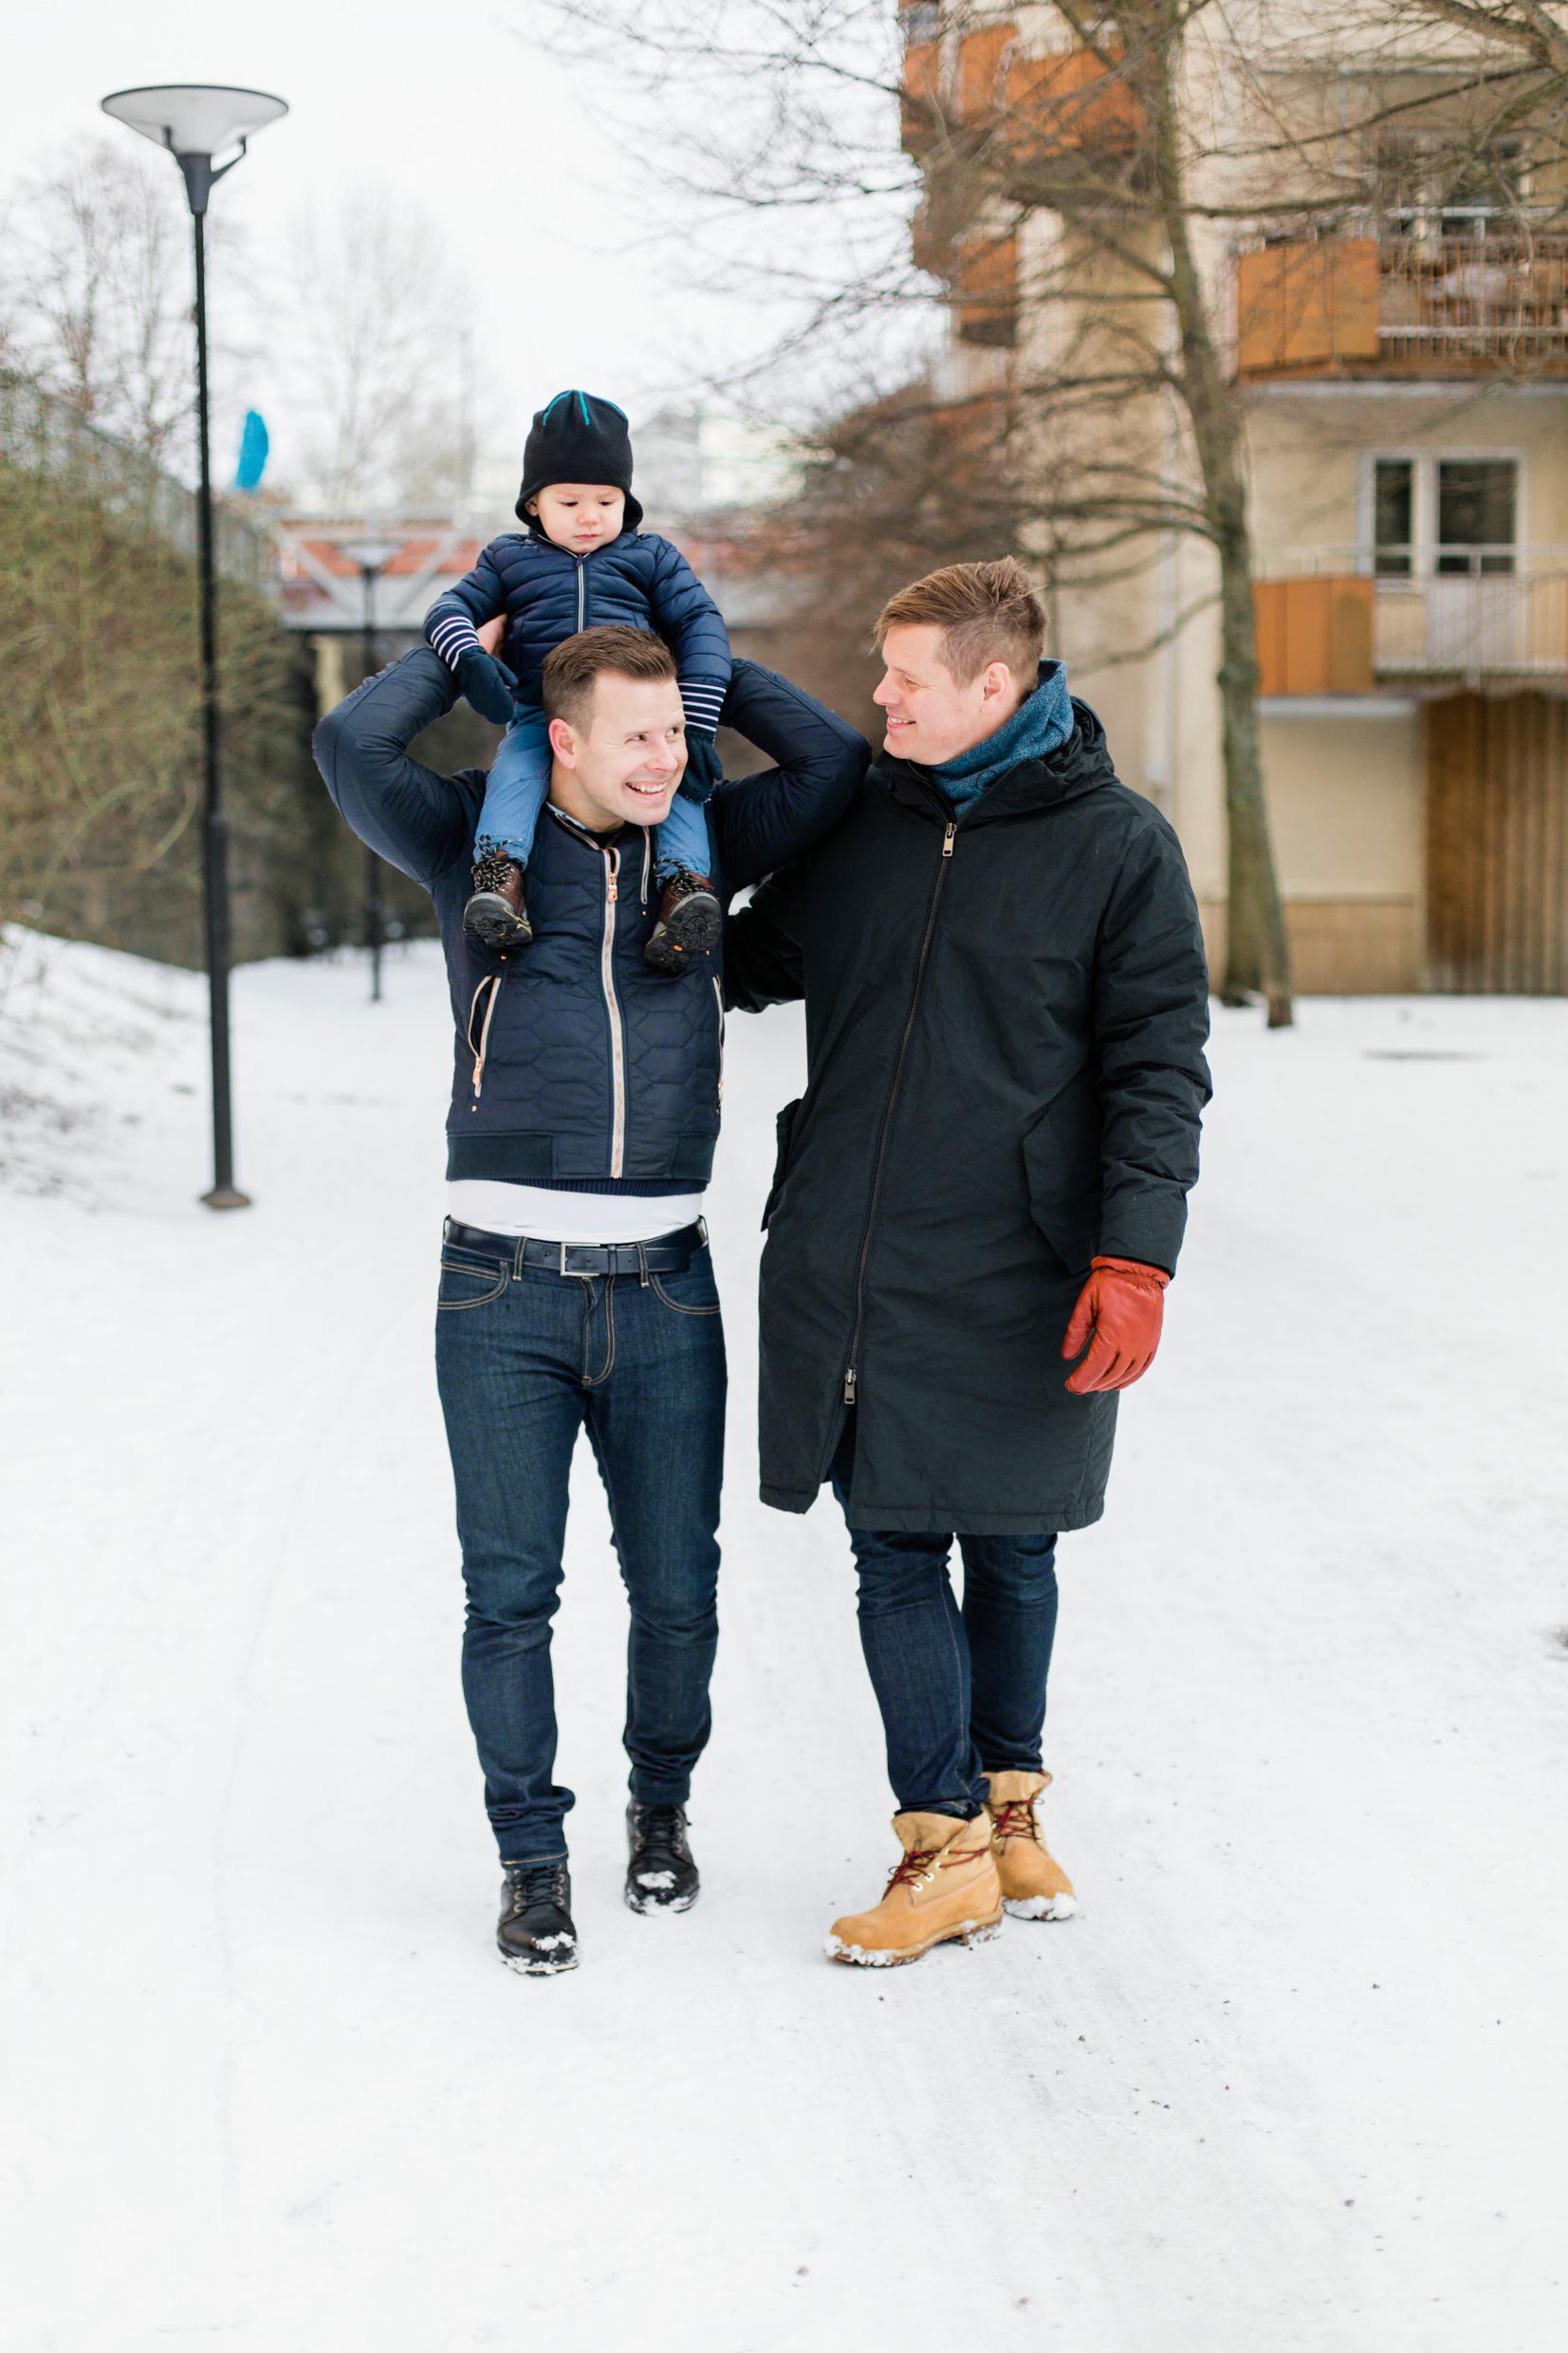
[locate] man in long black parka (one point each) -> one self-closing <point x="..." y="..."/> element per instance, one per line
<point x="977" y="1206"/>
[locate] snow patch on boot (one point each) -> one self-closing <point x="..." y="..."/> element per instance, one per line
<point x="543" y="1961"/>
<point x="657" y="1900"/>
<point x="838" y="1951"/>
<point x="876" y="1956"/>
<point x="1041" y="1907"/>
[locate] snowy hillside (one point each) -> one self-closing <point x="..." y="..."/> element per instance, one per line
<point x="1294" y="2078"/>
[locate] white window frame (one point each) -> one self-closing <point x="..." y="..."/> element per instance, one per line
<point x="1424" y="508"/>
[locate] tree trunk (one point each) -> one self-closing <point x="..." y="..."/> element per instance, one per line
<point x="1257" y="953"/>
<point x="1257" y="948"/>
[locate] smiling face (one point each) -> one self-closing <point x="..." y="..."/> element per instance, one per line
<point x="620" y="761"/>
<point x="930" y="716"/>
<point x="580" y="516"/>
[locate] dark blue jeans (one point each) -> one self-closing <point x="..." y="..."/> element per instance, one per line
<point x="962" y="1691"/>
<point x="524" y="1360"/>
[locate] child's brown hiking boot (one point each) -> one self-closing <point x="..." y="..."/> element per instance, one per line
<point x="689" y="920"/>
<point x="495" y="915"/>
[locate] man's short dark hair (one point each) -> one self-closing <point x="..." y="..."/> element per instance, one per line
<point x="574" y="668"/>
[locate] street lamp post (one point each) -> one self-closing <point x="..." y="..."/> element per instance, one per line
<point x="194" y="123"/>
<point x="372" y="556"/>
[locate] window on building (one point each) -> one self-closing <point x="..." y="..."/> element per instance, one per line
<point x="920" y="22"/>
<point x="1393" y="529"/>
<point x="1477" y="197"/>
<point x="1477" y="504"/>
<point x="1443" y="515"/>
<point x="1422" y="188"/>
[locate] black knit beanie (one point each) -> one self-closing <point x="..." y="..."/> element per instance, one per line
<point x="578" y="438"/>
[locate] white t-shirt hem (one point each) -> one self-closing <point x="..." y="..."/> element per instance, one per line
<point x="545" y="1214"/>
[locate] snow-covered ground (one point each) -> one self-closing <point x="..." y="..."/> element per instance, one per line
<point x="1294" y="2078"/>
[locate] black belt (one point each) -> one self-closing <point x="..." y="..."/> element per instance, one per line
<point x="669" y="1254"/>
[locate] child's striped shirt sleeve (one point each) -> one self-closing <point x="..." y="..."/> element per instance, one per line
<point x="451" y="625"/>
<point x="693" y="627"/>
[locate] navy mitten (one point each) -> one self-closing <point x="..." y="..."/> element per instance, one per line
<point x="489" y="685"/>
<point x="702" y="767"/>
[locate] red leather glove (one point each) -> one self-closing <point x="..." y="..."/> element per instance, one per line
<point x="1123" y="1306"/>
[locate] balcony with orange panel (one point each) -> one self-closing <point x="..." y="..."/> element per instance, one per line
<point x="985" y="284"/>
<point x="1075" y="101"/>
<point x="981" y="88"/>
<point x="1388" y="306"/>
<point x="981" y="273"/>
<point x="1465" y="616"/>
<point x="1314" y="636"/>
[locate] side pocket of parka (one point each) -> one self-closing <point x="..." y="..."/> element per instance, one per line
<point x="1064" y="1194"/>
<point x="784" y="1126"/>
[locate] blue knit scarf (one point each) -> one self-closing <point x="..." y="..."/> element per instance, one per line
<point x="1043" y="720"/>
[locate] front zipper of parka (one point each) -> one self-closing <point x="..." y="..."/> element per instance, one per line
<point x="851" y="1369"/>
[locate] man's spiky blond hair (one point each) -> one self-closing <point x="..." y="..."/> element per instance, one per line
<point x="986" y="612"/>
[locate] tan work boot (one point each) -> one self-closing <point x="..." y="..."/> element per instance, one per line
<point x="1034" y="1885"/>
<point x="943" y="1891"/>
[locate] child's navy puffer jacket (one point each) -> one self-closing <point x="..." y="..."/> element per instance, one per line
<point x="546" y="594"/>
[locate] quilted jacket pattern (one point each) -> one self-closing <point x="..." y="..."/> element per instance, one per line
<point x="576" y="1061"/>
<point x="546" y="594"/>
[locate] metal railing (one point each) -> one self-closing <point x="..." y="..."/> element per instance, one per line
<point x="1499" y="293"/>
<point x="1473" y="612"/>
<point x="1435" y="298"/>
<point x="37" y="429"/>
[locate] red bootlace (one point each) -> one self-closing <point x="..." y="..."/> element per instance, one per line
<point x="914" y="1866"/>
<point x="910" y="1866"/>
<point x="1015" y="1818"/>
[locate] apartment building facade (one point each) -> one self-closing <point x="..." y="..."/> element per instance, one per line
<point x="1400" y="345"/>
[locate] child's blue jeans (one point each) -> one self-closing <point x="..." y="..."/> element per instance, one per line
<point x="519" y="785"/>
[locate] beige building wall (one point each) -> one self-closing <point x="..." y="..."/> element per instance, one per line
<point x="1307" y="448"/>
<point x="1346" y="789"/>
<point x="1344" y="799"/>
<point x="1347" y="794"/>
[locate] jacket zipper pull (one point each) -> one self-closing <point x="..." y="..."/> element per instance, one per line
<point x="849" y="1386"/>
<point x="493" y="984"/>
<point x="946" y="841"/>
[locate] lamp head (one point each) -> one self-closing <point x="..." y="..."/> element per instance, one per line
<point x="370" y="554"/>
<point x="195" y="122"/>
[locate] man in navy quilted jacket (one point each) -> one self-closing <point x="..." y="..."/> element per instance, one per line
<point x="581" y="560"/>
<point x="576" y="1287"/>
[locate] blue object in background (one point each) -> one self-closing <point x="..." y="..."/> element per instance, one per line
<point x="254" y="449"/>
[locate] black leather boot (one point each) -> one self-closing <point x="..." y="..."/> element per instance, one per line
<point x="535" y="1932"/>
<point x="660" y="1874"/>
